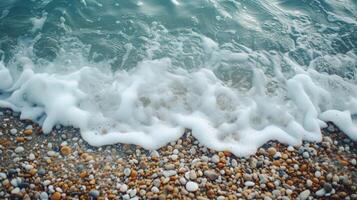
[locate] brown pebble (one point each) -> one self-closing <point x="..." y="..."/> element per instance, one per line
<point x="271" y="185"/>
<point x="83" y="174"/>
<point x="56" y="196"/>
<point x="66" y="150"/>
<point x="271" y="151"/>
<point x="20" y="139"/>
<point x="133" y="174"/>
<point x="28" y="132"/>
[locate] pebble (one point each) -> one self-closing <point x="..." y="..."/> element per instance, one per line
<point x="15" y="190"/>
<point x="56" y="196"/>
<point x="94" y="193"/>
<point x="13" y="131"/>
<point x="66" y="150"/>
<point x="183" y="181"/>
<point x="306" y="155"/>
<point x="132" y="192"/>
<point x="168" y="173"/>
<point x="28" y="132"/>
<point x="51" y="153"/>
<point x="290" y="148"/>
<point x="123" y="188"/>
<point x="249" y="183"/>
<point x="32" y="156"/>
<point x="191" y="186"/>
<point x="271" y="151"/>
<point x="46" y="182"/>
<point x="277" y="155"/>
<point x="155" y="189"/>
<point x="19" y="149"/>
<point x="353" y="161"/>
<point x="320" y="192"/>
<point x="41" y="172"/>
<point x="127" y="172"/>
<point x="169" y="166"/>
<point x="174" y="157"/>
<point x="215" y="158"/>
<point x="317" y="174"/>
<point x="211" y="174"/>
<point x="44" y="196"/>
<point x="192" y="175"/>
<point x="304" y="195"/>
<point x="328" y="187"/>
<point x="308" y="183"/>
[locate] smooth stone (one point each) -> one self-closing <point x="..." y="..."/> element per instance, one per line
<point x="41" y="172"/>
<point x="123" y="188"/>
<point x="169" y="166"/>
<point x="306" y="155"/>
<point x="249" y="183"/>
<point x="317" y="174"/>
<point x="328" y="187"/>
<point x="155" y="189"/>
<point x="13" y="131"/>
<point x="320" y="192"/>
<point x="215" y="158"/>
<point x="127" y="171"/>
<point x="94" y="193"/>
<point x="32" y="156"/>
<point x="191" y="186"/>
<point x="169" y="173"/>
<point x="210" y="174"/>
<point x="304" y="195"/>
<point x="193" y="175"/>
<point x="44" y="196"/>
<point x="15" y="191"/>
<point x="19" y="149"/>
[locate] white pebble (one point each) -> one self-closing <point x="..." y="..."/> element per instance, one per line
<point x="155" y="189"/>
<point x="191" y="186"/>
<point x="183" y="181"/>
<point x="123" y="188"/>
<point x="46" y="182"/>
<point x="306" y="154"/>
<point x="127" y="171"/>
<point x="13" y="131"/>
<point x="43" y="196"/>
<point x="291" y="148"/>
<point x="15" y="191"/>
<point x="215" y="158"/>
<point x="309" y="183"/>
<point x="249" y="183"/>
<point x="32" y="156"/>
<point x="317" y="174"/>
<point x="19" y="149"/>
<point x="28" y="167"/>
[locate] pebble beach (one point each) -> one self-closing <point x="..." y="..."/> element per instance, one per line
<point x="60" y="165"/>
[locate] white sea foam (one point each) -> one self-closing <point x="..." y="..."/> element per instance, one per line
<point x="267" y="71"/>
<point x="38" y="22"/>
<point x="152" y="104"/>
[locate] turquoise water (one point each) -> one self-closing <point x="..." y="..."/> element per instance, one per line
<point x="264" y="56"/>
<point x="122" y="31"/>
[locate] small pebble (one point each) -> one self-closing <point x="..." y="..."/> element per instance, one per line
<point x="191" y="186"/>
<point x="19" y="149"/>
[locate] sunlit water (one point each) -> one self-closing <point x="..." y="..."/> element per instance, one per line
<point x="238" y="73"/>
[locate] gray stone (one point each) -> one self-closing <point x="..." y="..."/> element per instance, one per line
<point x="304" y="195"/>
<point x="210" y="174"/>
<point x="94" y="193"/>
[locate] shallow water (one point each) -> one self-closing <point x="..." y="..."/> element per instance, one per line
<point x="238" y="73"/>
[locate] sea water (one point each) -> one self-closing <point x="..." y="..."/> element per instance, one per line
<point x="238" y="73"/>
